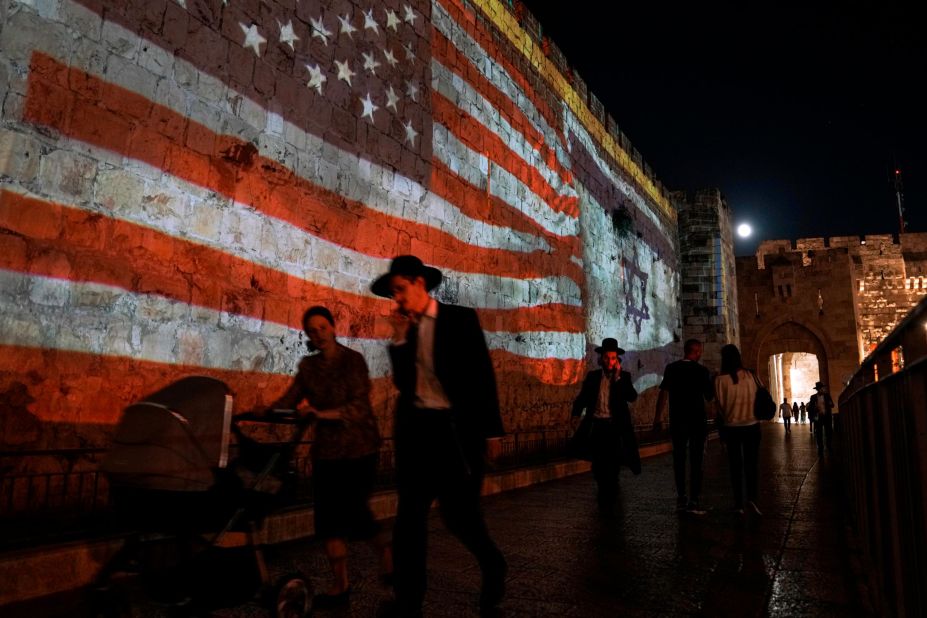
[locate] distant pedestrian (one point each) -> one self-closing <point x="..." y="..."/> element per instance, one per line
<point x="735" y="389"/>
<point x="604" y="396"/>
<point x="812" y="417"/>
<point x="687" y="385"/>
<point x="785" y="413"/>
<point x="446" y="416"/>
<point x="802" y="412"/>
<point x="795" y="412"/>
<point x="823" y="405"/>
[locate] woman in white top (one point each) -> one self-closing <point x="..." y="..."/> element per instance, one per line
<point x="735" y="391"/>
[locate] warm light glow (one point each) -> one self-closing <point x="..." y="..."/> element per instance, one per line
<point x="744" y="230"/>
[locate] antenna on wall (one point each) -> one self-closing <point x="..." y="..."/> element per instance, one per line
<point x="899" y="198"/>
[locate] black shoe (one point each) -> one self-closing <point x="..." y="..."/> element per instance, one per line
<point x="331" y="601"/>
<point x="493" y="586"/>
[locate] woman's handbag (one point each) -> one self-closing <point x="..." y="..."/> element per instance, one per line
<point x="764" y="408"/>
<point x="580" y="444"/>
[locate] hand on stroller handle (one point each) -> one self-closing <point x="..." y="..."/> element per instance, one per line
<point x="276" y="415"/>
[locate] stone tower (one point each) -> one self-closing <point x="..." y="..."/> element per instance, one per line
<point x="708" y="304"/>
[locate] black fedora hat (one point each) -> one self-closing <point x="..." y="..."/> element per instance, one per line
<point x="819" y="385"/>
<point x="609" y="344"/>
<point x="406" y="266"/>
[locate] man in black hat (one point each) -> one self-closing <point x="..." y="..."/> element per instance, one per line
<point x="604" y="396"/>
<point x="823" y="407"/>
<point x="447" y="410"/>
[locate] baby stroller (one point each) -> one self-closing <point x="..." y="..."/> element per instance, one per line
<point x="192" y="508"/>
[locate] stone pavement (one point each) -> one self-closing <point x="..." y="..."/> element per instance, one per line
<point x="565" y="559"/>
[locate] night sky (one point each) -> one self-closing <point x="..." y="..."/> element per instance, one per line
<point x="799" y="115"/>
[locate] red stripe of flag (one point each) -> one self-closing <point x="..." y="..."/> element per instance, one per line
<point x="477" y="137"/>
<point x="91" y="110"/>
<point x="82" y="246"/>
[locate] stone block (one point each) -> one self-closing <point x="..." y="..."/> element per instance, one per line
<point x="120" y="41"/>
<point x="26" y="31"/>
<point x="20" y="155"/>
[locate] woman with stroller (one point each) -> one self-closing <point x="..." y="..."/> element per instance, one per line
<point x="735" y="392"/>
<point x="336" y="384"/>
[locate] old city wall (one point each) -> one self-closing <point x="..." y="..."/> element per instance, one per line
<point x="180" y="180"/>
<point x="842" y="294"/>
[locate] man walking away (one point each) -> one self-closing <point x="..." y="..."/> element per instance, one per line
<point x="688" y="385"/>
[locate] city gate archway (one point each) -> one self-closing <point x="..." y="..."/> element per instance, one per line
<point x="792" y="357"/>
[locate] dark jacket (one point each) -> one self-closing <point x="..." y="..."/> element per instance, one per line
<point x="463" y="367"/>
<point x="622" y="392"/>
<point x="812" y="406"/>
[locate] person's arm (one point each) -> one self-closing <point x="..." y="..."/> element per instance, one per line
<point x="662" y="399"/>
<point x="581" y="400"/>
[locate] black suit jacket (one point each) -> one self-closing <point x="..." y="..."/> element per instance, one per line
<point x="463" y="367"/>
<point x="622" y="392"/>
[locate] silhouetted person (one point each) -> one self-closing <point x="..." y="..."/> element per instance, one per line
<point x="785" y="413"/>
<point x="802" y="412"/>
<point x="687" y="385"/>
<point x="795" y="412"/>
<point x="813" y="418"/>
<point x="604" y="396"/>
<point x="448" y="407"/>
<point x="823" y="406"/>
<point x="336" y="384"/>
<point x="735" y="388"/>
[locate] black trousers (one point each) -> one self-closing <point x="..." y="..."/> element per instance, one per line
<point x="743" y="449"/>
<point x="824" y="432"/>
<point x="606" y="459"/>
<point x="689" y="438"/>
<point x="434" y="461"/>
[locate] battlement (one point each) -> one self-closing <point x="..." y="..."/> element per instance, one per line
<point x="908" y="246"/>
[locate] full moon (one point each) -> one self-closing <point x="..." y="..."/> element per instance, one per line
<point x="744" y="230"/>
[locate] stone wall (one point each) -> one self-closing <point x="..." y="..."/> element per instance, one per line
<point x="843" y="293"/>
<point x="179" y="180"/>
<point x="709" y="278"/>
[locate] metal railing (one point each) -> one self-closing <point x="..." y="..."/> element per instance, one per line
<point x="883" y="413"/>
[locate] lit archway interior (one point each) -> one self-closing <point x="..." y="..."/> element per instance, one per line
<point x="793" y="376"/>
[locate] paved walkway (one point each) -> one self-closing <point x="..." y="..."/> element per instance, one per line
<point x="565" y="559"/>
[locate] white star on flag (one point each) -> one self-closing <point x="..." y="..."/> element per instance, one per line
<point x="346" y="27"/>
<point x="316" y="78"/>
<point x="410" y="15"/>
<point x="287" y="35"/>
<point x="370" y="23"/>
<point x="391" y="98"/>
<point x="344" y="71"/>
<point x="410" y="55"/>
<point x="390" y="58"/>
<point x="392" y="20"/>
<point x="253" y="38"/>
<point x="369" y="108"/>
<point x="412" y="91"/>
<point x="411" y="133"/>
<point x="369" y="63"/>
<point x="319" y="30"/>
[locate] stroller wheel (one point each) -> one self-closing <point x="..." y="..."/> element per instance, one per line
<point x="292" y="596"/>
